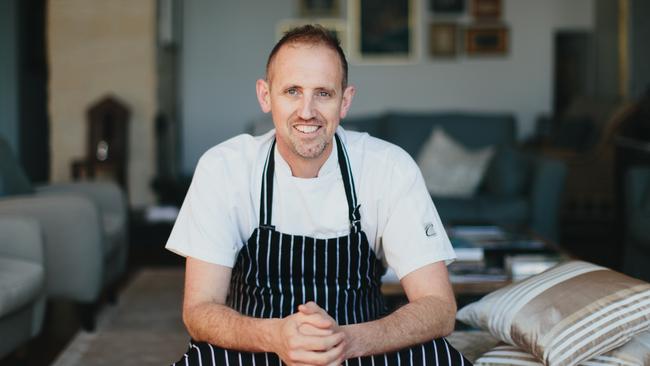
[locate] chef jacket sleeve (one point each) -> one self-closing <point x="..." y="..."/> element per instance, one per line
<point x="413" y="235"/>
<point x="206" y="224"/>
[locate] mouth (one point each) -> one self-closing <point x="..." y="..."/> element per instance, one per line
<point x="307" y="129"/>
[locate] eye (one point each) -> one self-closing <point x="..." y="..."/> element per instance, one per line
<point x="292" y="91"/>
<point x="323" y="94"/>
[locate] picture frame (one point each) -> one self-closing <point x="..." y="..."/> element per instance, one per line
<point x="486" y="41"/>
<point x="383" y="31"/>
<point x="319" y="8"/>
<point x="447" y="6"/>
<point x="486" y="9"/>
<point x="337" y="26"/>
<point x="443" y="40"/>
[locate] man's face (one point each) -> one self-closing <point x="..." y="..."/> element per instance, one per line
<point x="305" y="97"/>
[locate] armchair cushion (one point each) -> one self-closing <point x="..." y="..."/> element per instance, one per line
<point x="20" y="283"/>
<point x="13" y="180"/>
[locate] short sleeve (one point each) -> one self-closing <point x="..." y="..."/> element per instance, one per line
<point x="413" y="235"/>
<point x="206" y="226"/>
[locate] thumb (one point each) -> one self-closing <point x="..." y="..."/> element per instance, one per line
<point x="308" y="308"/>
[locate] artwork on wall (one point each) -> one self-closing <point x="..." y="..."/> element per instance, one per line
<point x="336" y="26"/>
<point x="319" y="8"/>
<point x="482" y="40"/>
<point x="447" y="6"/>
<point x="486" y="9"/>
<point x="383" y="30"/>
<point x="443" y="39"/>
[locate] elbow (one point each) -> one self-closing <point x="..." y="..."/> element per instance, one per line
<point x="448" y="327"/>
<point x="449" y="324"/>
<point x="189" y="324"/>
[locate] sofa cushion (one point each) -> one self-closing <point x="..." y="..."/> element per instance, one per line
<point x="371" y="124"/>
<point x="449" y="169"/>
<point x="507" y="173"/>
<point x="634" y="352"/>
<point x="483" y="209"/>
<point x="566" y="315"/>
<point x="21" y="282"/>
<point x="13" y="180"/>
<point x="474" y="131"/>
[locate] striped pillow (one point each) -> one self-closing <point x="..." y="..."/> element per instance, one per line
<point x="566" y="315"/>
<point x="634" y="353"/>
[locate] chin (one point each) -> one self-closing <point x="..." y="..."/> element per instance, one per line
<point x="311" y="151"/>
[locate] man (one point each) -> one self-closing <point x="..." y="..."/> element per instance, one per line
<point x="327" y="209"/>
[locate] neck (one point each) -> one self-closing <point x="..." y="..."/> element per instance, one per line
<point x="302" y="167"/>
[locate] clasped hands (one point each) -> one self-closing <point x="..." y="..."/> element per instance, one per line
<point x="311" y="337"/>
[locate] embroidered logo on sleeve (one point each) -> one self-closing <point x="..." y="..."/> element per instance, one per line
<point x="429" y="229"/>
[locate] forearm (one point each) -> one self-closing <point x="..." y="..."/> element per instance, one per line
<point x="220" y="325"/>
<point x="416" y="322"/>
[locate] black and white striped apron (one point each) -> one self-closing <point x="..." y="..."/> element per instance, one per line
<point x="275" y="272"/>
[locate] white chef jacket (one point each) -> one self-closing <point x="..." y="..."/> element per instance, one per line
<point x="221" y="208"/>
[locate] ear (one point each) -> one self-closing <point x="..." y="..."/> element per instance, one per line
<point x="348" y="94"/>
<point x="263" y="95"/>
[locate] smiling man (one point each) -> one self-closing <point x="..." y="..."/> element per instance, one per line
<point x="287" y="234"/>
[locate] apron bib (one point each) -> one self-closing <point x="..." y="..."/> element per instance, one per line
<point x="275" y="272"/>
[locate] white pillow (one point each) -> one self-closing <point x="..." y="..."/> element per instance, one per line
<point x="449" y="169"/>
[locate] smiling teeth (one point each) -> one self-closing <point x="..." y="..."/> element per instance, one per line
<point x="306" y="129"/>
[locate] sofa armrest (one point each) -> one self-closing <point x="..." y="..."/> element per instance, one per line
<point x="547" y="188"/>
<point x="637" y="186"/>
<point x="107" y="195"/>
<point x="73" y="242"/>
<point x="21" y="238"/>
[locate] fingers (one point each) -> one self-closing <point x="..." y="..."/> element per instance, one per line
<point x="310" y="330"/>
<point x="316" y="315"/>
<point x="309" y="307"/>
<point x="317" y="320"/>
<point x="316" y="343"/>
<point x="333" y="356"/>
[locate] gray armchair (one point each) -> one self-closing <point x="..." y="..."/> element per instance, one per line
<point x="84" y="227"/>
<point x="22" y="282"/>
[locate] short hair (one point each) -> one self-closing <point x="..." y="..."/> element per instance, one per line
<point x="314" y="34"/>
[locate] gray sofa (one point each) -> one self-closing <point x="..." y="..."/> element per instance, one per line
<point x="636" y="255"/>
<point x="518" y="189"/>
<point x="84" y="226"/>
<point x="22" y="282"/>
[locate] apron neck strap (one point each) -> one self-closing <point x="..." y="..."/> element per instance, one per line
<point x="266" y="195"/>
<point x="348" y="184"/>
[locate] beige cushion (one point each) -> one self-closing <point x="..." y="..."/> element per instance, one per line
<point x="566" y="315"/>
<point x="449" y="169"/>
<point x="634" y="353"/>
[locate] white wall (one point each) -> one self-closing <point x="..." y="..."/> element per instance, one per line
<point x="95" y="49"/>
<point x="225" y="45"/>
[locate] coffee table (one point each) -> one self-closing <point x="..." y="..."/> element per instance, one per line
<point x="485" y="253"/>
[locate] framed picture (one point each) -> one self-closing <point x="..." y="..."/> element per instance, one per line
<point x="319" y="8"/>
<point x="486" y="9"/>
<point x="443" y="39"/>
<point x="447" y="6"/>
<point x="383" y="30"/>
<point x="481" y="40"/>
<point x="336" y="26"/>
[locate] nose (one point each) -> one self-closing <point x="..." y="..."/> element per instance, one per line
<point x="306" y="108"/>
